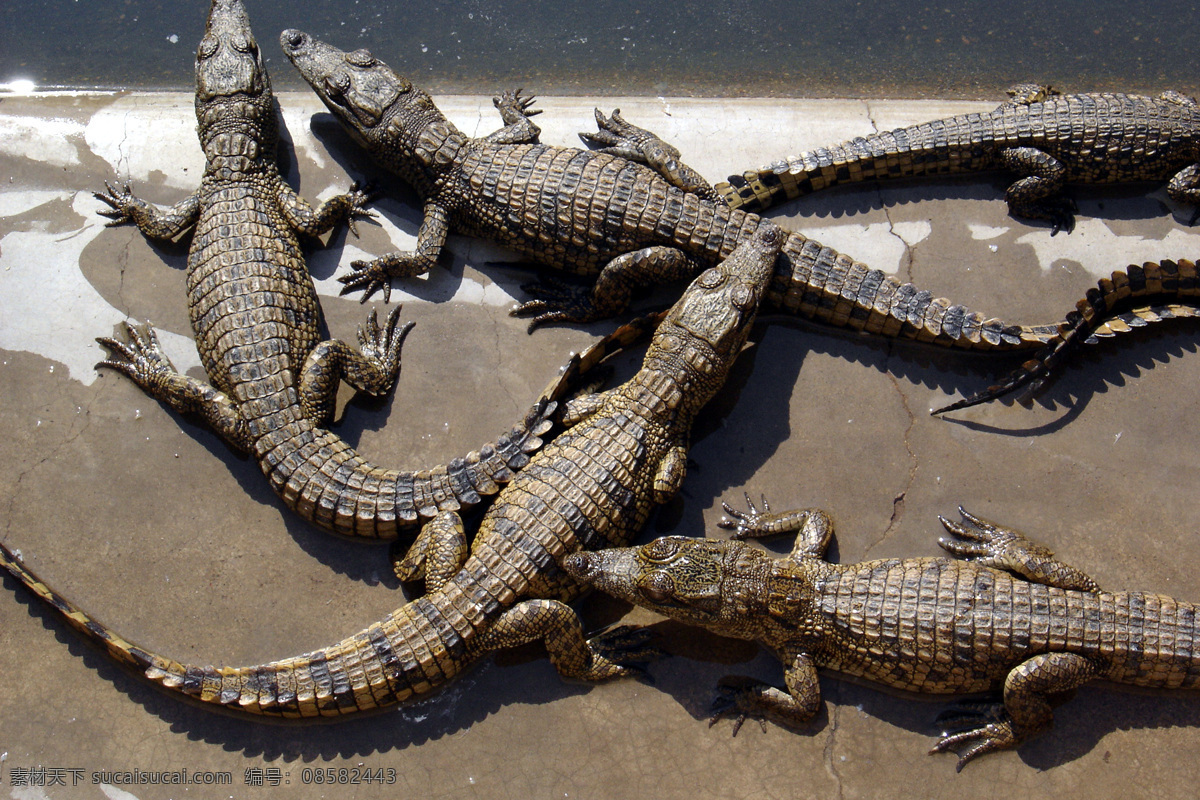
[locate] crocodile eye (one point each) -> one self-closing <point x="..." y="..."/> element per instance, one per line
<point x="661" y="549"/>
<point x="742" y="297"/>
<point x="658" y="588"/>
<point x="361" y="58"/>
<point x="337" y="84"/>
<point x="208" y="46"/>
<point x="244" y="44"/>
<point x="711" y="279"/>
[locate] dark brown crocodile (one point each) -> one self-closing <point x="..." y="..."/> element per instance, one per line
<point x="1047" y="138"/>
<point x="1012" y="617"/>
<point x="627" y="221"/>
<point x="256" y="318"/>
<point x="593" y="486"/>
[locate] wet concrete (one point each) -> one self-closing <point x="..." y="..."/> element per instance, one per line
<point x="150" y="522"/>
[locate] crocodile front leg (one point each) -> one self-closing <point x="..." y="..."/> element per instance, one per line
<point x="373" y="368"/>
<point x="515" y="110"/>
<point x="558" y="302"/>
<point x="143" y="361"/>
<point x="814" y="528"/>
<point x="302" y="218"/>
<point x="617" y="137"/>
<point x="153" y="221"/>
<point x="376" y="274"/>
<point x="1038" y="195"/>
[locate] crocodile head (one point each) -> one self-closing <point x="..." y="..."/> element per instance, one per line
<point x="228" y="62"/>
<point x="362" y="91"/>
<point x="234" y="105"/>
<point x="705" y="330"/>
<point x="695" y="581"/>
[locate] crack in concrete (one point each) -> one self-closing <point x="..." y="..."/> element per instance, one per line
<point x="827" y="752"/>
<point x="914" y="465"/>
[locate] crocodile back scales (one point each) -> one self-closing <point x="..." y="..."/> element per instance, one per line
<point x="940" y="625"/>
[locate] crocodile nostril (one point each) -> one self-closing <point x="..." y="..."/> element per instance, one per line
<point x="293" y="38"/>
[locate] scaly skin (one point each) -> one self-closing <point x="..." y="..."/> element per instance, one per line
<point x="593" y="486"/>
<point x="1047" y="138"/>
<point x="1013" y="618"/>
<point x="630" y="214"/>
<point x="256" y="318"/>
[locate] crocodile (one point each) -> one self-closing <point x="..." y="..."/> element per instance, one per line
<point x="629" y="213"/>
<point x="1009" y="617"/>
<point x="256" y="318"/>
<point x="1047" y="138"/>
<point x="593" y="486"/>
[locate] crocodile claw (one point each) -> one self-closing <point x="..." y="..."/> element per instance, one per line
<point x="370" y="276"/>
<point x="383" y="346"/>
<point x="982" y="738"/>
<point x="733" y="701"/>
<point x="624" y="650"/>
<point x="359" y="195"/>
<point x="120" y="202"/>
<point x="746" y="524"/>
<point x="556" y="301"/>
<point x="141" y="358"/>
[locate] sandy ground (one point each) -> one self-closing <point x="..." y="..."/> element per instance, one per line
<point x="155" y="526"/>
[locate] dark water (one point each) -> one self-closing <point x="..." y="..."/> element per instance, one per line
<point x="814" y="48"/>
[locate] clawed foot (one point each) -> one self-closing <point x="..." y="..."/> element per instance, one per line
<point x="987" y="543"/>
<point x="359" y="196"/>
<point x="736" y="695"/>
<point x="622" y="651"/>
<point x="617" y="137"/>
<point x="1058" y="211"/>
<point x="376" y="274"/>
<point x="556" y="302"/>
<point x="748" y="524"/>
<point x="121" y="204"/>
<point x="383" y="346"/>
<point x="512" y="103"/>
<point x="141" y="358"/>
<point x="983" y="727"/>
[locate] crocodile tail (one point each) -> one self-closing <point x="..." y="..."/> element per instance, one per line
<point x="900" y="153"/>
<point x="414" y="649"/>
<point x="324" y="480"/>
<point x="1153" y="292"/>
<point x="124" y="652"/>
<point x="818" y="283"/>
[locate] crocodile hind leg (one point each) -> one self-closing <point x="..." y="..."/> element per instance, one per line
<point x="438" y="552"/>
<point x="1038" y="195"/>
<point x="1025" y="712"/>
<point x="1003" y="548"/>
<point x="144" y="362"/>
<point x="373" y="368"/>
<point x="613" y="654"/>
<point x="617" y="137"/>
<point x="559" y="302"/>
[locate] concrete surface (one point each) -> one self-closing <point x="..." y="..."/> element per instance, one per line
<point x="161" y="531"/>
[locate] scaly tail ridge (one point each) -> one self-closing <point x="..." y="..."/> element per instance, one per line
<point x="818" y="283"/>
<point x="1100" y="315"/>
